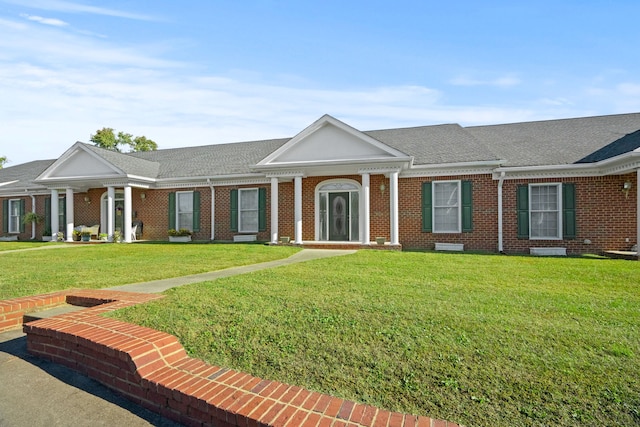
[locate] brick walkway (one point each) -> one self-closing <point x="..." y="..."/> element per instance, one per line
<point x="152" y="369"/>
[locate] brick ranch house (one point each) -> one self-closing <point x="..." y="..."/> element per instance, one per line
<point x="564" y="186"/>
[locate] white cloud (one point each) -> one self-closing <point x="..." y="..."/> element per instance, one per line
<point x="47" y="21"/>
<point x="72" y="7"/>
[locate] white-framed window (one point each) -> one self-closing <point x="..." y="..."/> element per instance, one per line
<point x="248" y="210"/>
<point x="446" y="207"/>
<point x="545" y="211"/>
<point x="184" y="210"/>
<point x="14" y="216"/>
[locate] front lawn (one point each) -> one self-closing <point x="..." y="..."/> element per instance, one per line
<point x="475" y="339"/>
<point x="105" y="265"/>
<point x="20" y="244"/>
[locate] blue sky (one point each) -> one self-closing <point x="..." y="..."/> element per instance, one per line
<point x="206" y="72"/>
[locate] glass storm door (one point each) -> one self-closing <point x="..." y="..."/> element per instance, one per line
<point x="339" y="216"/>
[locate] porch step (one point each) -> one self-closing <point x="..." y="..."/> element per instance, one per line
<point x="51" y="312"/>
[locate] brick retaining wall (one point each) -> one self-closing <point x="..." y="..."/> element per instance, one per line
<point x="152" y="369"/>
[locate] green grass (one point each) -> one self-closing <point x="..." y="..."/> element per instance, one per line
<point x="476" y="339"/>
<point x="11" y="246"/>
<point x="105" y="265"/>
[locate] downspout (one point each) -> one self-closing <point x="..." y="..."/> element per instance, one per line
<point x="33" y="224"/>
<point x="213" y="209"/>
<point x="500" y="247"/>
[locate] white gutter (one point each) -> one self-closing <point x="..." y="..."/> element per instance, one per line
<point x="33" y="224"/>
<point x="500" y="248"/>
<point x="213" y="209"/>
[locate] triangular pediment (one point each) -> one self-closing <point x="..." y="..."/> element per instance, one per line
<point x="79" y="163"/>
<point x="329" y="140"/>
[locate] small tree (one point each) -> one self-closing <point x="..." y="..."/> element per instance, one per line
<point x="3" y="160"/>
<point x="107" y="139"/>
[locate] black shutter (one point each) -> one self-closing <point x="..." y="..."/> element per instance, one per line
<point x="569" y="211"/>
<point x="234" y="210"/>
<point x="467" y="206"/>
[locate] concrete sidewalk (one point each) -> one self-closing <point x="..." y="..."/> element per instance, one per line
<point x="36" y="392"/>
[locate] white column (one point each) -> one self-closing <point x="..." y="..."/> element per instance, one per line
<point x="297" y="188"/>
<point x="55" y="218"/>
<point x="393" y="195"/>
<point x="111" y="195"/>
<point x="127" y="214"/>
<point x="366" y="211"/>
<point x="500" y="234"/>
<point x="274" y="210"/>
<point x="69" y="227"/>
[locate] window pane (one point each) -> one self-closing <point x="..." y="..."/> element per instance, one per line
<point x="248" y="199"/>
<point x="355" y="216"/>
<point x="544" y="212"/>
<point x="323" y="217"/>
<point x="446" y="194"/>
<point x="185" y="202"/>
<point x="248" y="210"/>
<point x="446" y="218"/>
<point x="185" y="220"/>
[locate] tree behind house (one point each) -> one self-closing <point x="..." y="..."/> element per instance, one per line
<point x="3" y="160"/>
<point x="106" y="138"/>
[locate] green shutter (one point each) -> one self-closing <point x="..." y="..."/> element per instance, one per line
<point x="234" y="210"/>
<point x="467" y="206"/>
<point x="21" y="214"/>
<point x="5" y="216"/>
<point x="522" y="206"/>
<point x="262" y="209"/>
<point x="172" y="211"/>
<point x="47" y="215"/>
<point x="569" y="211"/>
<point x="426" y="207"/>
<point x="196" y="211"/>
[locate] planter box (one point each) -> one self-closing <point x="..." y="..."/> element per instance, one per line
<point x="180" y="239"/>
<point x="285" y="239"/>
<point x="86" y="238"/>
<point x="548" y="251"/>
<point x="380" y="240"/>
<point x="458" y="247"/>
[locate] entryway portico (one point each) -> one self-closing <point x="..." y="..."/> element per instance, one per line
<point x="336" y="152"/>
<point x="79" y="170"/>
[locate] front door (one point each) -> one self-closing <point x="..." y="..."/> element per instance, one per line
<point x="339" y="216"/>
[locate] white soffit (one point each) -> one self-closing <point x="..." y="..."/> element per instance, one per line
<point x="330" y="140"/>
<point x="78" y="162"/>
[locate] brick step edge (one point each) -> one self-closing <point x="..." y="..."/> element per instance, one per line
<point x="152" y="369"/>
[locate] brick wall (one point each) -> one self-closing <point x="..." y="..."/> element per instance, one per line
<point x="152" y="369"/>
<point x="605" y="217"/>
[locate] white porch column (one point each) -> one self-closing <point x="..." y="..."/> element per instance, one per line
<point x="55" y="218"/>
<point x="297" y="188"/>
<point x="127" y="214"/>
<point x="366" y="207"/>
<point x="274" y="210"/>
<point x="393" y="195"/>
<point x="111" y="195"/>
<point x="69" y="227"/>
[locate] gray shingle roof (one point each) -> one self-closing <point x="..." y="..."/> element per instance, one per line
<point x="208" y="160"/>
<point x="438" y="144"/>
<point x="24" y="174"/>
<point x="557" y="142"/>
<point x="130" y="165"/>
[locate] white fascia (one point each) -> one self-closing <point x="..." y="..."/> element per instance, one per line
<point x="624" y="163"/>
